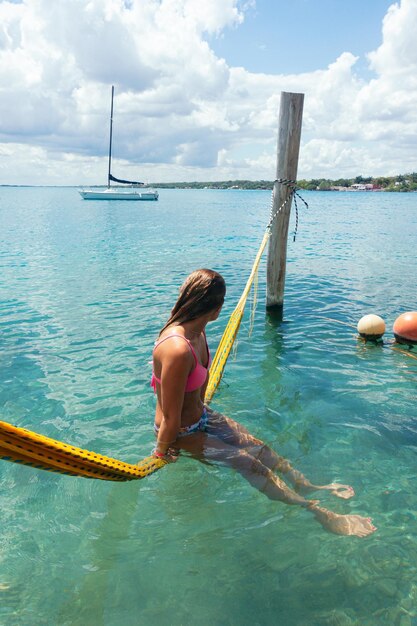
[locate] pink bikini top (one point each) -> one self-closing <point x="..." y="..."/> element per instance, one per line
<point x="198" y="376"/>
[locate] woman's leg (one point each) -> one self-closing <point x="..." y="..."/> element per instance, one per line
<point x="234" y="434"/>
<point x="205" y="447"/>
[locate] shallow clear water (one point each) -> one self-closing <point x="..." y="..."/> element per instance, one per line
<point x="84" y="288"/>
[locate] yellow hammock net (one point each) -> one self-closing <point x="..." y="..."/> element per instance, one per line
<point x="226" y="342"/>
<point x="24" y="446"/>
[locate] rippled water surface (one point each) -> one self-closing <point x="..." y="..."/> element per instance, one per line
<point x="84" y="288"/>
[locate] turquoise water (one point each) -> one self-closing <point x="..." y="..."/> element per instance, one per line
<point x="84" y="288"/>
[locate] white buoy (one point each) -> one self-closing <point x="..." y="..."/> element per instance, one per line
<point x="371" y="326"/>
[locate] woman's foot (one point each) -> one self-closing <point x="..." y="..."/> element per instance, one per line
<point x="340" y="491"/>
<point x="343" y="524"/>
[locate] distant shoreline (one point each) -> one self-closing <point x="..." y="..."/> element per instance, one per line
<point x="400" y="183"/>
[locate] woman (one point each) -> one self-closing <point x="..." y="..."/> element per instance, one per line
<point x="181" y="360"/>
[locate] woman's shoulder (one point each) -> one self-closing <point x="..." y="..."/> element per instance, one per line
<point x="174" y="344"/>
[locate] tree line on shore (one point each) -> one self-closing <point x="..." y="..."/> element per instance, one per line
<point x="402" y="182"/>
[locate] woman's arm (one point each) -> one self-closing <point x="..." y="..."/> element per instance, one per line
<point x="176" y="362"/>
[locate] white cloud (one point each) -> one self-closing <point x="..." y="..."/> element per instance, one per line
<point x="398" y="53"/>
<point x="181" y="113"/>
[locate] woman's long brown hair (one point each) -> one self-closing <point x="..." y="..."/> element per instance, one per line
<point x="203" y="291"/>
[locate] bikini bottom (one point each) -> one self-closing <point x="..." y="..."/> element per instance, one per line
<point x="201" y="425"/>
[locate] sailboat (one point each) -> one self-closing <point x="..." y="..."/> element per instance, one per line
<point x="135" y="190"/>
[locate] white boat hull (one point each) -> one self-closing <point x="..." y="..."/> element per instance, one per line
<point x="119" y="194"/>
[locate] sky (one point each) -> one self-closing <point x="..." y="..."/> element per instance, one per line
<point x="197" y="88"/>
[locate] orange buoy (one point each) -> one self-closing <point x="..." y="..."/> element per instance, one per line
<point x="405" y="328"/>
<point x="371" y="327"/>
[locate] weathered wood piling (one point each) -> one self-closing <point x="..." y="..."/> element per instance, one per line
<point x="288" y="147"/>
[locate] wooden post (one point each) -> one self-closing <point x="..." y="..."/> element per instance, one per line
<point x="289" y="134"/>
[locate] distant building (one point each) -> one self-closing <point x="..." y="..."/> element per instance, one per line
<point x="363" y="186"/>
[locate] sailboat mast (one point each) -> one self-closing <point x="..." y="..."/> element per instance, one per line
<point x="111" y="134"/>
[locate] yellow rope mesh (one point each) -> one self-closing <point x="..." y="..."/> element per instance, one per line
<point x="231" y="330"/>
<point x="24" y="446"/>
